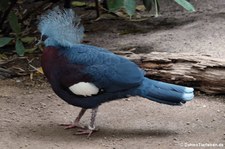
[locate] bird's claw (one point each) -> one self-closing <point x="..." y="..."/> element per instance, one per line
<point x="86" y="131"/>
<point x="72" y="125"/>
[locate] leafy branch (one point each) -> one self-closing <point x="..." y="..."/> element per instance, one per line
<point x="130" y="5"/>
<point x="16" y="21"/>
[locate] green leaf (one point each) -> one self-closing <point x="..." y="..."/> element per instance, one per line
<point x="27" y="39"/>
<point x="78" y="4"/>
<point x="31" y="50"/>
<point x="4" y="41"/>
<point x="188" y="6"/>
<point x="115" y="5"/>
<point x="130" y="6"/>
<point x="20" y="48"/>
<point x="4" y="4"/>
<point x="14" y="24"/>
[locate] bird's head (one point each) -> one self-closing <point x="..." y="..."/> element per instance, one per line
<point x="60" y="28"/>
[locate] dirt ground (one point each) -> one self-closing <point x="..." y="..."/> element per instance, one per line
<point x="30" y="112"/>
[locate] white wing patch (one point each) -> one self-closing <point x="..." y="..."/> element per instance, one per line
<point x="84" y="89"/>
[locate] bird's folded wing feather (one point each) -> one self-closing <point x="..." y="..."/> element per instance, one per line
<point x="104" y="69"/>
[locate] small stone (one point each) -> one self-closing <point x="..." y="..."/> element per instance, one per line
<point x="37" y="108"/>
<point x="33" y="130"/>
<point x="105" y="145"/>
<point x="127" y="99"/>
<point x="218" y="111"/>
<point x="18" y="81"/>
<point x="204" y="106"/>
<point x="189" y="131"/>
<point x="49" y="96"/>
<point x="175" y="139"/>
<point x="121" y="139"/>
<point x="43" y="105"/>
<point x="188" y="123"/>
<point x="12" y="112"/>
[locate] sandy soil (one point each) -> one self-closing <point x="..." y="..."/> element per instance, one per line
<point x="30" y="112"/>
<point x="30" y="115"/>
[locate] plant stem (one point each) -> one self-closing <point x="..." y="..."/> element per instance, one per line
<point x="156" y="9"/>
<point x="97" y="8"/>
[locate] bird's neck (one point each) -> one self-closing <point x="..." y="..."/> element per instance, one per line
<point x="50" y="60"/>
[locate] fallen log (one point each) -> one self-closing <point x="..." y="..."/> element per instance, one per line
<point x="202" y="72"/>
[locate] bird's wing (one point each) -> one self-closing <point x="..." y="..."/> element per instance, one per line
<point x="104" y="70"/>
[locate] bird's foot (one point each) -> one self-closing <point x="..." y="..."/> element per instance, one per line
<point x="73" y="125"/>
<point x="86" y="131"/>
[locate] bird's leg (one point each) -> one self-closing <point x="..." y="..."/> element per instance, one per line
<point x="91" y="128"/>
<point x="76" y="122"/>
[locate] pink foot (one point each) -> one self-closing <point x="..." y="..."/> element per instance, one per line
<point x="86" y="131"/>
<point x="72" y="125"/>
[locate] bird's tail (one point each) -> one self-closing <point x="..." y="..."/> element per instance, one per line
<point x="165" y="92"/>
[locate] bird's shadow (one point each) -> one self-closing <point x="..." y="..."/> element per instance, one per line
<point x="58" y="133"/>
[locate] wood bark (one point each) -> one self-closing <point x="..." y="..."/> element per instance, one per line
<point x="202" y="72"/>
